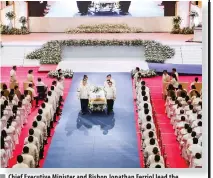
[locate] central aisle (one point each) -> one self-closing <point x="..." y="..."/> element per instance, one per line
<point x="96" y="140"/>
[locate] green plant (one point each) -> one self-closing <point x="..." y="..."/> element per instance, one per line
<point x="176" y="27"/>
<point x="10" y="15"/>
<point x="50" y="53"/>
<point x="23" y="21"/>
<point x="6" y="30"/>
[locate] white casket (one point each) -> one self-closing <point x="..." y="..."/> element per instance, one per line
<point x="97" y="100"/>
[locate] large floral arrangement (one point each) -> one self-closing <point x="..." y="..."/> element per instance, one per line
<point x="97" y="89"/>
<point x="50" y="52"/>
<point x="97" y="107"/>
<point x="6" y="30"/>
<point x="105" y="28"/>
<point x="66" y="74"/>
<point x="145" y="73"/>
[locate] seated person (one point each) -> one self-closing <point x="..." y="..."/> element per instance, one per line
<point x="194" y="149"/>
<point x="17" y="92"/>
<point x="196" y="161"/>
<point x="155" y="159"/>
<point x="34" y="95"/>
<point x="195" y="81"/>
<point x="40" y="83"/>
<point x="20" y="163"/>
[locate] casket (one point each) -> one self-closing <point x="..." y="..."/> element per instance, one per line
<point x="97" y="100"/>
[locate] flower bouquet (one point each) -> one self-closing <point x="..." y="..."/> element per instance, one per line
<point x="66" y="74"/>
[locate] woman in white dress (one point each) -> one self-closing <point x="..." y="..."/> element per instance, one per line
<point x="165" y="76"/>
<point x="174" y="81"/>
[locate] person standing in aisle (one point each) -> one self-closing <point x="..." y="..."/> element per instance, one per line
<point x="83" y="95"/>
<point x="110" y="96"/>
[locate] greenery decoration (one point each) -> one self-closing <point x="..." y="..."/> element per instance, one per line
<point x="6" y="30"/>
<point x="104" y="28"/>
<point x="176" y="27"/>
<point x="10" y="15"/>
<point x="66" y="73"/>
<point x="50" y="52"/>
<point x="145" y="73"/>
<point x="23" y="21"/>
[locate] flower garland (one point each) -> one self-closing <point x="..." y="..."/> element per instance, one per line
<point x="50" y="52"/>
<point x="66" y="74"/>
<point x="104" y="28"/>
<point x="145" y="73"/>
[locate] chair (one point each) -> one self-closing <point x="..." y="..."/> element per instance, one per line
<point x="41" y="92"/>
<point x="6" y="93"/>
<point x="18" y="93"/>
<point x="1" y="85"/>
<point x="26" y="85"/>
<point x="31" y="95"/>
<point x="13" y="84"/>
<point x="165" y="85"/>
<point x="185" y="85"/>
<point x="198" y="86"/>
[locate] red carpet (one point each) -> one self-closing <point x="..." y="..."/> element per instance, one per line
<point x="174" y="159"/>
<point x="22" y="73"/>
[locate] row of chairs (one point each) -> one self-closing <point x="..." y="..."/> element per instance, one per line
<point x="13" y="84"/>
<point x="185" y="85"/>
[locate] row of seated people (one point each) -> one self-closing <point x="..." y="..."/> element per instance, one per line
<point x="14" y="115"/>
<point x="185" y="113"/>
<point x="150" y="146"/>
<point x="41" y="89"/>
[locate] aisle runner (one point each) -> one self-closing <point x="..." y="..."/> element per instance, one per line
<point x="97" y="140"/>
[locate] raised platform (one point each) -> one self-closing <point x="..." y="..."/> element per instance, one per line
<point x="103" y="65"/>
<point x="44" y="68"/>
<point x="183" y="69"/>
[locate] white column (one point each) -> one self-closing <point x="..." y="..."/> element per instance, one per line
<point x="20" y="10"/>
<point x="183" y="10"/>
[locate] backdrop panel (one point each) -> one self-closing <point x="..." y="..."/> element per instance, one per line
<point x="54" y="24"/>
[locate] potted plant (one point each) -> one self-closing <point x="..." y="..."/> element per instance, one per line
<point x="124" y="6"/>
<point x="83" y="6"/>
<point x="10" y="15"/>
<point x="23" y="21"/>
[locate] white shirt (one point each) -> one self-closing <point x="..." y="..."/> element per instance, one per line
<point x="196" y="163"/>
<point x="13" y="74"/>
<point x="30" y="77"/>
<point x="110" y="92"/>
<point x="35" y="142"/>
<point x="198" y="131"/>
<point x="145" y="124"/>
<point x="33" y="151"/>
<point x="155" y="164"/>
<point x="52" y="102"/>
<point x="141" y="106"/>
<point x="149" y="150"/>
<point x="43" y="128"/>
<point x="146" y="142"/>
<point x="151" y="160"/>
<point x="174" y="83"/>
<point x="106" y="83"/>
<point x="38" y="134"/>
<point x="194" y="148"/>
<point x="28" y="160"/>
<point x="165" y="78"/>
<point x="40" y="84"/>
<point x="3" y="158"/>
<point x="32" y="90"/>
<point x="20" y="165"/>
<point x="83" y="92"/>
<point x="146" y="134"/>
